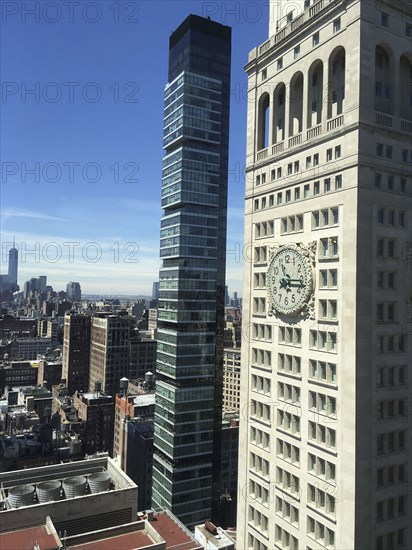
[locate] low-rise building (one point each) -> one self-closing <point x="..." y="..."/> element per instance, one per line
<point x="85" y="505"/>
<point x="133" y="441"/>
<point x="17" y="373"/>
<point x="213" y="538"/>
<point x="96" y="409"/>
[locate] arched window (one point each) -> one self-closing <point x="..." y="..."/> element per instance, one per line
<point x="263" y="122"/>
<point x="279" y="111"/>
<point x="336" y="91"/>
<point x="383" y="81"/>
<point x="315" y="93"/>
<point x="405" y="87"/>
<point x="296" y="104"/>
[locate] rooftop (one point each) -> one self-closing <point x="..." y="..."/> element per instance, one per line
<point x="176" y="535"/>
<point x="24" y="539"/>
<point x="30" y="479"/>
<point x="144" y="400"/>
<point x="214" y="537"/>
<point x="126" y="541"/>
<point x="311" y="13"/>
<point x="162" y="531"/>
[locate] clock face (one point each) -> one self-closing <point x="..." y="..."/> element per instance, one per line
<point x="289" y="281"/>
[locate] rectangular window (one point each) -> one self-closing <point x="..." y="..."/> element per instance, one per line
<point x="379" y="149"/>
<point x="336" y="25"/>
<point x="384" y="19"/>
<point x="388" y="151"/>
<point x="338" y="152"/>
<point x="378" y="180"/>
<point x="334" y="246"/>
<point x="325" y="247"/>
<point x="338" y="182"/>
<point x="378" y="88"/>
<point x="296" y="52"/>
<point x="404" y="155"/>
<point x="280" y="63"/>
<point x="306" y="190"/>
<point x="329" y="155"/>
<point x="316" y="159"/>
<point x="316" y="188"/>
<point x="315" y="39"/>
<point x="279" y="199"/>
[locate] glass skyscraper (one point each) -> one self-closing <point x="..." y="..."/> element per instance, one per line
<point x="192" y="276"/>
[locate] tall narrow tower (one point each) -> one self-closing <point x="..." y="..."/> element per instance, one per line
<point x="192" y="278"/>
<point x="325" y="436"/>
<point x="13" y="266"/>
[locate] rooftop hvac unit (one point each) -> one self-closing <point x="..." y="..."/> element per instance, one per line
<point x="74" y="486"/>
<point x="49" y="490"/>
<point x="22" y="495"/>
<point x="99" y="482"/>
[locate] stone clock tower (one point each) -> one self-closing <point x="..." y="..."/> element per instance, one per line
<point x="326" y="378"/>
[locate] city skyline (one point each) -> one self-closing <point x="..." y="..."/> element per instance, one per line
<point x="63" y="228"/>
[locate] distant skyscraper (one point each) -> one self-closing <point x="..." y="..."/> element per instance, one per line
<point x="13" y="266"/>
<point x="9" y="282"/>
<point x="73" y="292"/>
<point x="155" y="290"/>
<point x="42" y="283"/>
<point x="192" y="278"/>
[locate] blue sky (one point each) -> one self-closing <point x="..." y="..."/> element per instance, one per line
<point x="81" y="136"/>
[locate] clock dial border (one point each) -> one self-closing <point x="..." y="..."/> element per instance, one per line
<point x="305" y="307"/>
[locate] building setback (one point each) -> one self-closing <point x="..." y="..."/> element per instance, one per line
<point x="192" y="277"/>
<point x="325" y="447"/>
